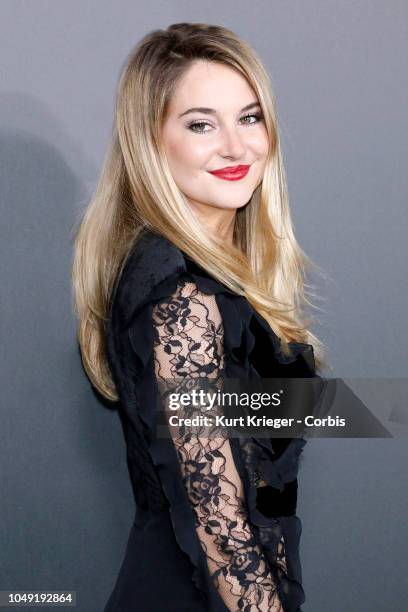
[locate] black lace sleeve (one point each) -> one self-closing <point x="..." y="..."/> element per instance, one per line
<point x="188" y="342"/>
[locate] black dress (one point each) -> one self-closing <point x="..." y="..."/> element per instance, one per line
<point x="206" y="536"/>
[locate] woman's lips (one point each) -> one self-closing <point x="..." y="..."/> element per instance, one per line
<point x="231" y="174"/>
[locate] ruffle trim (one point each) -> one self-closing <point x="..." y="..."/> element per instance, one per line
<point x="284" y="469"/>
<point x="238" y="313"/>
<point x="270" y="529"/>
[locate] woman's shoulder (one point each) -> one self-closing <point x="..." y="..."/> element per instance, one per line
<point x="150" y="261"/>
<point x="154" y="267"/>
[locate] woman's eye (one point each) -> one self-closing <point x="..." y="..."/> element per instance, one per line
<point x="198" y="126"/>
<point x="256" y="116"/>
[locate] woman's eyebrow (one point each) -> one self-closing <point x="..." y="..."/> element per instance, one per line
<point x="212" y="111"/>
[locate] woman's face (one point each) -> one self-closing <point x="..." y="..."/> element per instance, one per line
<point x="222" y="133"/>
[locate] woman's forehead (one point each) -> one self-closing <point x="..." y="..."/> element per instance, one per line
<point x="211" y="85"/>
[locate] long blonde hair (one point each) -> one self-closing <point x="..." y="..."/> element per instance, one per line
<point x="136" y="189"/>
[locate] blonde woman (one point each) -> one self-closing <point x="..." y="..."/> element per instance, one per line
<point x="186" y="267"/>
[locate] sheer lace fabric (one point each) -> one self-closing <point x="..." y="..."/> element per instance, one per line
<point x="188" y="342"/>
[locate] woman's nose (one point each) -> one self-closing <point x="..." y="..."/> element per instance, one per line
<point x="231" y="143"/>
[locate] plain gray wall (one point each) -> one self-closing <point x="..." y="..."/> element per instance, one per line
<point x="339" y="73"/>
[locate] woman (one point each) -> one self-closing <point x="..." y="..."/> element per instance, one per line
<point x="186" y="267"/>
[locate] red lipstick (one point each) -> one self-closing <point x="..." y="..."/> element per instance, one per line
<point x="231" y="173"/>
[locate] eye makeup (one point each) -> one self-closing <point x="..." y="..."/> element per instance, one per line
<point x="193" y="124"/>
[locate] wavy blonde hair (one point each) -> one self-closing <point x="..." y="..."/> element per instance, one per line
<point x="136" y="188"/>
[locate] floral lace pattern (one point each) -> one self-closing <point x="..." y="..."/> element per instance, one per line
<point x="188" y="342"/>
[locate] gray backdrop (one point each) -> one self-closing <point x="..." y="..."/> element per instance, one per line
<point x="339" y="71"/>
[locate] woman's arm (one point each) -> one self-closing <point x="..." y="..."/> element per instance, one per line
<point x="189" y="343"/>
